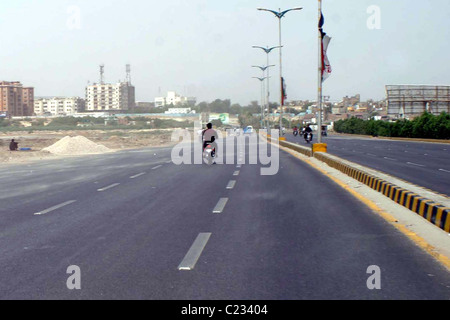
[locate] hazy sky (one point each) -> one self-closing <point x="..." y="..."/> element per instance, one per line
<point x="203" y="48"/>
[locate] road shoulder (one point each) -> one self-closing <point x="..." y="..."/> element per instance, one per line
<point x="424" y="234"/>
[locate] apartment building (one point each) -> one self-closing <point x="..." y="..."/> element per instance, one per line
<point x="59" y="106"/>
<point x="15" y="99"/>
<point x="110" y="97"/>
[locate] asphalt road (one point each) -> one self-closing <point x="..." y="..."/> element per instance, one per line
<point x="139" y="227"/>
<point x="421" y="163"/>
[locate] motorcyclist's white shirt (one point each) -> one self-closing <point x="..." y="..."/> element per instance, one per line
<point x="209" y="133"/>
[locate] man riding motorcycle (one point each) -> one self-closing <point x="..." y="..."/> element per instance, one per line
<point x="307" y="131"/>
<point x="209" y="136"/>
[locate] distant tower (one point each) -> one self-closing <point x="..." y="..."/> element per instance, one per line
<point x="102" y="72"/>
<point x="128" y="74"/>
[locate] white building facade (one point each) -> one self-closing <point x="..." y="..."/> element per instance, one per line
<point x="58" y="106"/>
<point x="180" y="111"/>
<point x="106" y="97"/>
<point x="174" y="99"/>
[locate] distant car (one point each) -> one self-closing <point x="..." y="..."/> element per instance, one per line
<point x="248" y="130"/>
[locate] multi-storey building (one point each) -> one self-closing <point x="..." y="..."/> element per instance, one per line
<point x="15" y="99"/>
<point x="110" y="97"/>
<point x="58" y="106"/>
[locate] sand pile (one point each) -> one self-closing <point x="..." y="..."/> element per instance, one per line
<point x="76" y="146"/>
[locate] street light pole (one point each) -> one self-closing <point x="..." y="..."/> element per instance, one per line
<point x="262" y="96"/>
<point x="267" y="51"/>
<point x="280" y="14"/>
<point x="263" y="69"/>
<point x="320" y="80"/>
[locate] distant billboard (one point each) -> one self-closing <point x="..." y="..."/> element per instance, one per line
<point x="223" y="117"/>
<point x="406" y="101"/>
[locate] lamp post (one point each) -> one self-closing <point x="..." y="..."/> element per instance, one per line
<point x="267" y="50"/>
<point x="280" y="14"/>
<point x="267" y="102"/>
<point x="262" y="96"/>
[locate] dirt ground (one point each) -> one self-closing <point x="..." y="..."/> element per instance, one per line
<point x="114" y="139"/>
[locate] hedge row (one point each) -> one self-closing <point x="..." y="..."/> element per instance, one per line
<point x="426" y="126"/>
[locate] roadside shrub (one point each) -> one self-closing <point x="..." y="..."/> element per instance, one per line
<point x="426" y="126"/>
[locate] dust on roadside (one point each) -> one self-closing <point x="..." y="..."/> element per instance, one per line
<point x="112" y="139"/>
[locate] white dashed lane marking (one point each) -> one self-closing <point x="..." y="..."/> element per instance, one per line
<point x="416" y="164"/>
<point x="108" y="187"/>
<point x="220" y="205"/>
<point x="138" y="175"/>
<point x="194" y="252"/>
<point x="54" y="208"/>
<point x="231" y="184"/>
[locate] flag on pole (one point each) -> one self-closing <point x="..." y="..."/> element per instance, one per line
<point x="283" y="91"/>
<point x="326" y="66"/>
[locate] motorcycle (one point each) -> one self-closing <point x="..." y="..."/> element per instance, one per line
<point x="209" y="154"/>
<point x="295" y="133"/>
<point x="308" y="137"/>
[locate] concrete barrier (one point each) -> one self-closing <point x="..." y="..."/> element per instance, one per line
<point x="303" y="150"/>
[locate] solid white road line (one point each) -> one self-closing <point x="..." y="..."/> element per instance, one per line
<point x="231" y="184"/>
<point x="157" y="167"/>
<point x="54" y="208"/>
<point x="194" y="252"/>
<point x="108" y="187"/>
<point x="138" y="175"/>
<point x="220" y="205"/>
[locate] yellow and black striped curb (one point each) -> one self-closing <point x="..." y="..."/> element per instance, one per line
<point x="434" y="212"/>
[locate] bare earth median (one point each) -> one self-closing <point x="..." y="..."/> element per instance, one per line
<point x="53" y="144"/>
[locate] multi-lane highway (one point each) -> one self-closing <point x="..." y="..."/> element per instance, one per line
<point x="140" y="227"/>
<point x="421" y="163"/>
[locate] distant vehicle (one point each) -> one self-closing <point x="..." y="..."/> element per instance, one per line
<point x="248" y="130"/>
<point x="324" y="131"/>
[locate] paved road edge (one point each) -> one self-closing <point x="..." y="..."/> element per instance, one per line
<point x="436" y="251"/>
<point x="434" y="212"/>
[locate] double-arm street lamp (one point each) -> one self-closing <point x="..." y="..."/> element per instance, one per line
<point x="262" y="97"/>
<point x="267" y="50"/>
<point x="267" y="102"/>
<point x="280" y="14"/>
